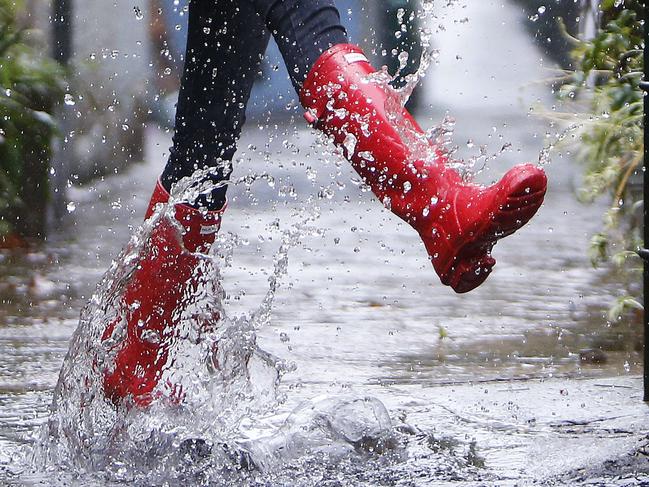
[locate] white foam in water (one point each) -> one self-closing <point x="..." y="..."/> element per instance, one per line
<point x="335" y="426"/>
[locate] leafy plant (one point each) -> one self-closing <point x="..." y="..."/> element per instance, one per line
<point x="606" y="83"/>
<point x="30" y="84"/>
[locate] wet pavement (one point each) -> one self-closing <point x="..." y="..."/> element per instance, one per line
<point x="361" y="309"/>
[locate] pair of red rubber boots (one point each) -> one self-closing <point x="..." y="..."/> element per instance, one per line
<point x="458" y="222"/>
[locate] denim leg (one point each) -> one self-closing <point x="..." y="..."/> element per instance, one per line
<point x="303" y="29"/>
<point x="226" y="43"/>
<point x="225" y="46"/>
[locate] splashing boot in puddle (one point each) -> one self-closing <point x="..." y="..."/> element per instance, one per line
<point x="458" y="222"/>
<point x="220" y="68"/>
<point x="155" y="294"/>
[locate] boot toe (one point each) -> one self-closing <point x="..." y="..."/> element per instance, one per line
<point x="517" y="198"/>
<point x="524" y="180"/>
<point x="522" y="191"/>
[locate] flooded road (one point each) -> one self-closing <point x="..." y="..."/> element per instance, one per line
<point x="497" y="372"/>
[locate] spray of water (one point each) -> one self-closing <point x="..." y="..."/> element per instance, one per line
<point x="228" y="382"/>
<point x="230" y="385"/>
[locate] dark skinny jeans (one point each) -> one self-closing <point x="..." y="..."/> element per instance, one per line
<point x="226" y="43"/>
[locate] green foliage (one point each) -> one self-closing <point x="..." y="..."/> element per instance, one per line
<point x="443" y="333"/>
<point x="608" y="70"/>
<point x="30" y="84"/>
<point x="622" y="306"/>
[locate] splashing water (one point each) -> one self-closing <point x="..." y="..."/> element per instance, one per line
<point x="221" y="430"/>
<point x="545" y="156"/>
<point x="228" y="382"/>
<point x="439" y="139"/>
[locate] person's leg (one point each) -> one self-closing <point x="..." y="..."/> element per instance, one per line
<point x="459" y="223"/>
<point x="303" y="30"/>
<point x="226" y="43"/>
<point x="225" y="46"/>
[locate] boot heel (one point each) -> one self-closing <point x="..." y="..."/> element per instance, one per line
<point x="468" y="273"/>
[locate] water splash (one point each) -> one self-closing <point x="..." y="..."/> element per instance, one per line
<point x="228" y="382"/>
<point x="545" y="156"/>
<point x="230" y="385"/>
<point x="334" y="426"/>
<point x="438" y="141"/>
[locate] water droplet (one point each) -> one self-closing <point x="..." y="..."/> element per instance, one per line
<point x="400" y="14"/>
<point x="366" y="155"/>
<point x="138" y="13"/>
<point x="71" y="206"/>
<point x="350" y="144"/>
<point x="150" y="336"/>
<point x="403" y="59"/>
<point x="407" y="186"/>
<point x="69" y="99"/>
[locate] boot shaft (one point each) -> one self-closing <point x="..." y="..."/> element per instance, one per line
<point x="161" y="285"/>
<point x="351" y="102"/>
<point x="199" y="226"/>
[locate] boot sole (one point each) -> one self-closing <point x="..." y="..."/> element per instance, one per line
<point x="472" y="263"/>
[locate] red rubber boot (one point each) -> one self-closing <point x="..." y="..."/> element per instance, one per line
<point x="458" y="222"/>
<point x="153" y="297"/>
